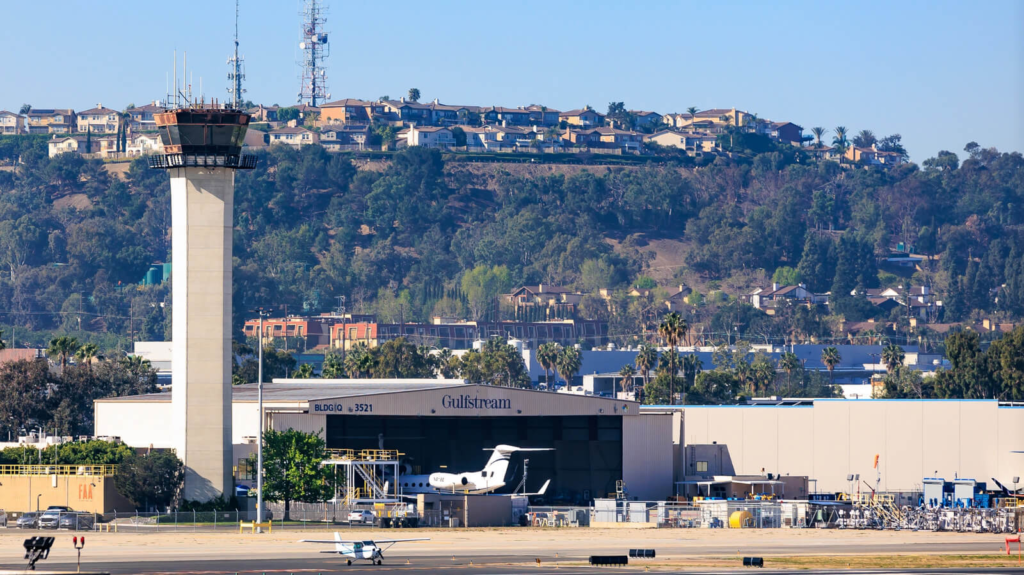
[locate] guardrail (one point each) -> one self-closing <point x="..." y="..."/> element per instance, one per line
<point x="100" y="470"/>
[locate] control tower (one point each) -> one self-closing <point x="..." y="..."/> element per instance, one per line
<point x="202" y="150"/>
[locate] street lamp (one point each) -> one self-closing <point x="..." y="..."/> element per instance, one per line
<point x="259" y="442"/>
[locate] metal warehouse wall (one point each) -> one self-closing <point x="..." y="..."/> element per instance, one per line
<point x="833" y="438"/>
<point x="647" y="455"/>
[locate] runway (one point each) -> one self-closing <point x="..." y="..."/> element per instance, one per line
<point x="496" y="565"/>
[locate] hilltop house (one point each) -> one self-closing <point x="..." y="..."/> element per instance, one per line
<point x="296" y="137"/>
<point x="141" y="118"/>
<point x="585" y="117"/>
<point x="50" y="121"/>
<point x="768" y="298"/>
<point x="692" y="142"/>
<point x="11" y="123"/>
<point x="99" y="120"/>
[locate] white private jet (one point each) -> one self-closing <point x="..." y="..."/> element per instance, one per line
<point x="491" y="478"/>
<point x="366" y="550"/>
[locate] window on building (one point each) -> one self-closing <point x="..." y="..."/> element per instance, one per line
<point x="702" y="466"/>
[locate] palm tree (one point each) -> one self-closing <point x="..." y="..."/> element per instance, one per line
<point x="669" y="363"/>
<point x="63" y="347"/>
<point x="692" y="366"/>
<point x="87" y="353"/>
<point x="831" y="358"/>
<point x="305" y="371"/>
<point x="789" y="363"/>
<point x="547" y="357"/>
<point x="646" y="360"/>
<point x="864" y="139"/>
<point x="818" y="132"/>
<point x="839" y="140"/>
<point x="626" y="373"/>
<point x="136" y="365"/>
<point x="673" y="329"/>
<point x="892" y="357"/>
<point x="333" y="367"/>
<point x="692" y="111"/>
<point x="569" y="362"/>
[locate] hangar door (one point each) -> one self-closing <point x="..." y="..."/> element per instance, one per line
<point x="585" y="463"/>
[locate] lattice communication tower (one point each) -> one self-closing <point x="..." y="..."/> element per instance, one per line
<point x="237" y="73"/>
<point x="315" y="50"/>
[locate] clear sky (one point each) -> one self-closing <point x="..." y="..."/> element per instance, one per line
<point x="940" y="73"/>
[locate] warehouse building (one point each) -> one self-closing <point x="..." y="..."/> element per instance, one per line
<point x="829" y="440"/>
<point x="445" y="425"/>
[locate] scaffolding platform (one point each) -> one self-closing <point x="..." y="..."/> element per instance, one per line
<point x="370" y="475"/>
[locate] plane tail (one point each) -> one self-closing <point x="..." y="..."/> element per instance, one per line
<point x="339" y="547"/>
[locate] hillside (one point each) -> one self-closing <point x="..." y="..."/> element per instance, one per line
<point x="398" y="238"/>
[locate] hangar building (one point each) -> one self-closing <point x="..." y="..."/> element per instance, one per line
<point x="446" y="425"/>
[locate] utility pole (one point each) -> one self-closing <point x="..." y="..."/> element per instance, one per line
<point x="259" y="441"/>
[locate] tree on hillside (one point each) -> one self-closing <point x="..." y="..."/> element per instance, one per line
<point x="818" y="132"/>
<point x="864" y="139"/>
<point x="839" y="141"/>
<point x="482" y="285"/>
<point x="151" y="480"/>
<point x="414" y="94"/>
<point x="292" y="469"/>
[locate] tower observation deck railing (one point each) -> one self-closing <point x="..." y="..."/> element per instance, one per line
<point x="92" y="470"/>
<point x="234" y="161"/>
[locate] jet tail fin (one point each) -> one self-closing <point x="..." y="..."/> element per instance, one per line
<point x="544" y="487"/>
<point x="338" y="546"/>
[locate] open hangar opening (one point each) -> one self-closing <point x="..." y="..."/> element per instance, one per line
<point x="451" y="428"/>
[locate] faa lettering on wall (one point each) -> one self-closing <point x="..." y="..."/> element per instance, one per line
<point x="466" y="401"/>
<point x="85" y="492"/>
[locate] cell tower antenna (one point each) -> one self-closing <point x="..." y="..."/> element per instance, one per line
<point x="315" y="49"/>
<point x="237" y="73"/>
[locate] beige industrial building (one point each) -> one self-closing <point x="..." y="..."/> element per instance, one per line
<point x="444" y="425"/>
<point x="829" y="440"/>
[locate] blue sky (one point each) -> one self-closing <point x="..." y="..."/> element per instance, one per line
<point x="939" y="73"/>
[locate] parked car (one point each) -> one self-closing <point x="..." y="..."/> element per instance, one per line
<point x="3" y="518"/>
<point x="360" y="516"/>
<point x="77" y="520"/>
<point x="28" y="520"/>
<point x="50" y="519"/>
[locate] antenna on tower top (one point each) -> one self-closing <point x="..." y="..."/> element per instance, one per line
<point x="315" y="50"/>
<point x="237" y="73"/>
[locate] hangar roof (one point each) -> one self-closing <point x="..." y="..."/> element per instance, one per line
<point x="309" y="390"/>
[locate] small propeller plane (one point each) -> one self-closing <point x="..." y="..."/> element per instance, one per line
<point x="366" y="550"/>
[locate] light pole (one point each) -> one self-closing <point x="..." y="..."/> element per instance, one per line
<point x="259" y="440"/>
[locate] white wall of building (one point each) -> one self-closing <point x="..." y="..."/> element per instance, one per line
<point x="833" y="438"/>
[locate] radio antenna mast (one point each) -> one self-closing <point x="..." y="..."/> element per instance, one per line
<point x="315" y="50"/>
<point x="237" y="73"/>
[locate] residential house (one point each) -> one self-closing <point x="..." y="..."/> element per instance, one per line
<point x="448" y="115"/>
<point x="66" y="145"/>
<point x="692" y="142"/>
<point x="11" y="123"/>
<point x="555" y="300"/>
<point x="676" y="299"/>
<point x="821" y="152"/>
<point x="768" y="298"/>
<point x="50" y="121"/>
<point x="542" y="115"/>
<point x="141" y="118"/>
<point x="409" y="112"/>
<point x="644" y="118"/>
<point x="144" y="145"/>
<point x="873" y="156"/>
<point x="346" y="137"/>
<point x="263" y="113"/>
<point x="506" y="116"/>
<point x="585" y="117"/>
<point x="587" y="137"/>
<point x="429" y="137"/>
<point x="628" y="140"/>
<point x="350" y="111"/>
<point x="99" y="120"/>
<point x="922" y="301"/>
<point x="256" y="139"/>
<point x="786" y="132"/>
<point x="721" y="117"/>
<point x="294" y="136"/>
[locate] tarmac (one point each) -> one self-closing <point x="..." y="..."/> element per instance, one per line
<point x="500" y="550"/>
